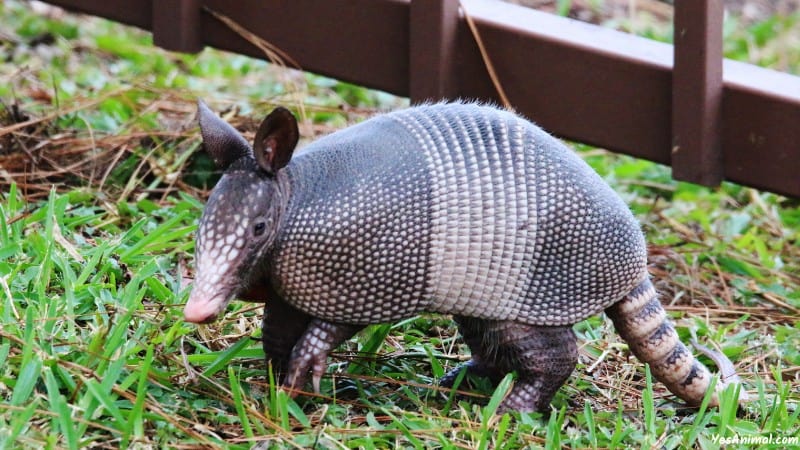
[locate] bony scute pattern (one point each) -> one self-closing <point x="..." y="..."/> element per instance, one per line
<point x="360" y="243"/>
<point x="479" y="253"/>
<point x="519" y="223"/>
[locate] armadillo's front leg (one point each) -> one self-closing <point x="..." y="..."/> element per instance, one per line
<point x="282" y="328"/>
<point x="310" y="354"/>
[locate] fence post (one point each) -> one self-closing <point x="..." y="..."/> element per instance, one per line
<point x="176" y="25"/>
<point x="433" y="34"/>
<point x="697" y="92"/>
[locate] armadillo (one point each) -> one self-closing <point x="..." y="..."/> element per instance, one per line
<point x="455" y="208"/>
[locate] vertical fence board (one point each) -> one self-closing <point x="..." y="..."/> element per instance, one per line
<point x="697" y="86"/>
<point x="433" y="29"/>
<point x="176" y="25"/>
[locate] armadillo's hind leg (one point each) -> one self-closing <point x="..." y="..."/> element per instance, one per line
<point x="310" y="354"/>
<point x="472" y="330"/>
<point x="543" y="357"/>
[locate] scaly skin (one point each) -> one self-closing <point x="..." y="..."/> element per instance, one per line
<point x="642" y="322"/>
<point x="282" y="324"/>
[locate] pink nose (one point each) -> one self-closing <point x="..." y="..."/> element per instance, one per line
<point x="200" y="310"/>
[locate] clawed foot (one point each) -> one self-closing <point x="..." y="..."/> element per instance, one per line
<point x="299" y="368"/>
<point x="310" y="353"/>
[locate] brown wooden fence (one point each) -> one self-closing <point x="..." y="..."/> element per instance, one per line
<point x="710" y="119"/>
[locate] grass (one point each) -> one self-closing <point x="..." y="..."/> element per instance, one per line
<point x="96" y="241"/>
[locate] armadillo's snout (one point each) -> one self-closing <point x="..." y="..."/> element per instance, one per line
<point x="204" y="306"/>
<point x="199" y="312"/>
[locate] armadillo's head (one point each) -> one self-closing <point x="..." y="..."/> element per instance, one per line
<point x="241" y="218"/>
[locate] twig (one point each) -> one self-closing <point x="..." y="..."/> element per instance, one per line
<point x="487" y="61"/>
<point x="274" y="54"/>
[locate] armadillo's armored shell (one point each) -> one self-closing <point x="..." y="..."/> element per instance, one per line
<point x="458" y="209"/>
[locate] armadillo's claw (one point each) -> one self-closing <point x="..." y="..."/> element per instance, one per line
<point x="298" y="373"/>
<point x="316" y="377"/>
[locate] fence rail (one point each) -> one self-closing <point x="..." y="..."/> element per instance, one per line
<point x="710" y="119"/>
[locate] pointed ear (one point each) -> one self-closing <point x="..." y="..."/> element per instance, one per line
<point x="275" y="140"/>
<point x="222" y="142"/>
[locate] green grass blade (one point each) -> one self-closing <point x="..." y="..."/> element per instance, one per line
<point x="499" y="394"/>
<point x="135" y="425"/>
<point x="620" y="430"/>
<point x="452" y="394"/>
<point x="701" y="419"/>
<point x="649" y="408"/>
<point x="45" y="268"/>
<point x="488" y="412"/>
<point x="502" y="428"/>
<point x="4" y="233"/>
<point x="28" y="338"/>
<point x="404" y="430"/>
<point x="64" y="424"/>
<point x="5" y="348"/>
<point x="436" y="367"/>
<point x="91" y="266"/>
<point x="554" y="425"/>
<point x="156" y="235"/>
<point x="105" y="398"/>
<point x="376" y="336"/>
<point x="20" y="420"/>
<point x="241" y="410"/>
<point x="297" y="412"/>
<point x="591" y="425"/>
<point x="26" y="382"/>
<point x="224" y="358"/>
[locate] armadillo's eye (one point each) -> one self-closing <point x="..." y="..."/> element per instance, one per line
<point x="258" y="228"/>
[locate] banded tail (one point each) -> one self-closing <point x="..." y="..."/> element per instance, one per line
<point x="642" y="322"/>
